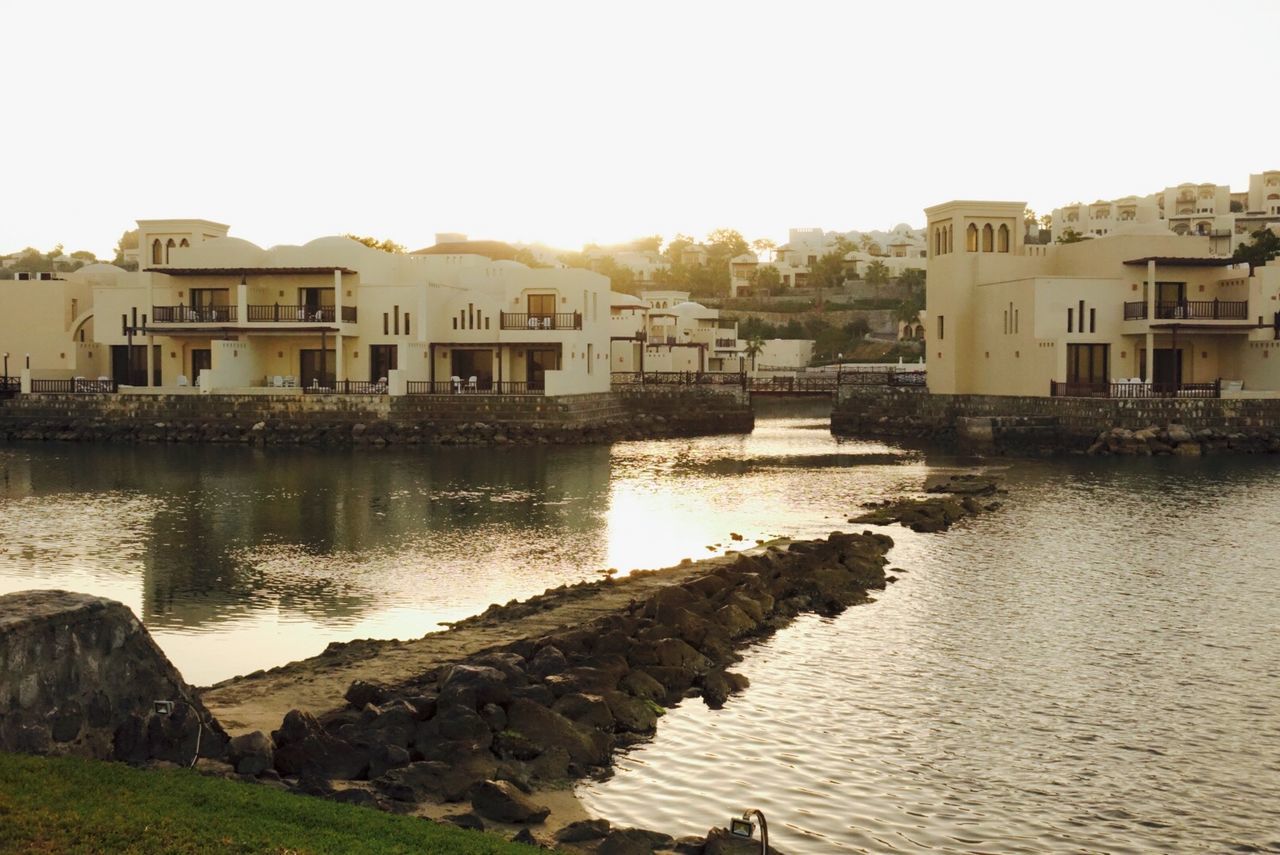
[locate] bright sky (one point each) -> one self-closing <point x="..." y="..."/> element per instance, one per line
<point x="599" y="121"/>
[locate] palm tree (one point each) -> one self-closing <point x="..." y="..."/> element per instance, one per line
<point x="755" y="346"/>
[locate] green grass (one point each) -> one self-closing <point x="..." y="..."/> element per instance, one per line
<point x="72" y="805"/>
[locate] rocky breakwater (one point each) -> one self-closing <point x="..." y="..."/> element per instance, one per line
<point x="501" y="727"/>
<point x="80" y="675"/>
<point x="1176" y="439"/>
<point x="958" y="496"/>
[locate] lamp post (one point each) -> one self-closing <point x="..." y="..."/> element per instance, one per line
<point x="6" y="371"/>
<point x="28" y="362"/>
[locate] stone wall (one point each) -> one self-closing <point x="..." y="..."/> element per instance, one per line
<point x="80" y="675"/>
<point x="1065" y="424"/>
<point x="372" y="420"/>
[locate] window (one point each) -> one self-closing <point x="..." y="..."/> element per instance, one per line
<point x="971" y="238"/>
<point x="395" y="313"/>
<point x="1070" y="320"/>
<point x="184" y="243"/>
<point x="157" y="252"/>
<point x="988" y="238"/>
<point x="590" y="356"/>
<point x="406" y="323"/>
<point x="941" y="327"/>
<point x="167" y="248"/>
<point x="386" y="324"/>
<point x="542" y="305"/>
<point x="1093" y="320"/>
<point x="1002" y="242"/>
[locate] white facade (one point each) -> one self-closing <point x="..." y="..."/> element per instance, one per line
<point x="664" y="331"/>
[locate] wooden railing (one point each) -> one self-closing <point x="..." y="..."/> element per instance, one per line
<point x="348" y="387"/>
<point x="726" y="342"/>
<point x="1075" y="389"/>
<point x="182" y="314"/>
<point x="74" y="386"/>
<point x="481" y="387"/>
<point x="277" y="314"/>
<point x="524" y="321"/>
<point x="1191" y="310"/>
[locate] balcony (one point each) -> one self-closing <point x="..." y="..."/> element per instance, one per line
<point x="1191" y="310"/>
<point x="475" y="386"/>
<point x="280" y="314"/>
<point x="524" y="321"/>
<point x="193" y="314"/>
<point x="1085" y="389"/>
<point x="726" y="343"/>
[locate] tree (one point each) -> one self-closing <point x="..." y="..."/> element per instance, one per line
<point x="827" y="271"/>
<point x="1046" y="221"/>
<point x="1237" y="207"/>
<point x="675" y="249"/>
<point x="1029" y="220"/>
<point x="647" y="244"/>
<point x="621" y="279"/>
<point x="525" y="256"/>
<point x="909" y="309"/>
<point x="877" y="273"/>
<point x="128" y="240"/>
<point x="912" y="278"/>
<point x="726" y="243"/>
<point x="1071" y="236"/>
<point x="766" y="278"/>
<point x="387" y="245"/>
<point x="1264" y="247"/>
<point x="763" y="245"/>
<point x="755" y="346"/>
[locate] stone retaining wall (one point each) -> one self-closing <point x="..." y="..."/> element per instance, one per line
<point x="1017" y="423"/>
<point x="372" y="420"/>
<point x="80" y="675"/>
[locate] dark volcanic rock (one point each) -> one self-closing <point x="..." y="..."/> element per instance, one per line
<point x="503" y="802"/>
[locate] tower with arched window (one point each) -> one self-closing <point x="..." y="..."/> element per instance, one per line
<point x="161" y="242"/>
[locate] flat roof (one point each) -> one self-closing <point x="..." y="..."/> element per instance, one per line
<point x="244" y="271"/>
<point x="1175" y="261"/>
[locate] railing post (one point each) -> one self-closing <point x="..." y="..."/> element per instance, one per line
<point x="277" y="313"/>
<point x="1215" y="308"/>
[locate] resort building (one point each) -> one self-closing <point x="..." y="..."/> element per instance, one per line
<point x="1213" y="211"/>
<point x="665" y="331"/>
<point x="209" y="312"/>
<point x="1136" y="312"/>
<point x="899" y="249"/>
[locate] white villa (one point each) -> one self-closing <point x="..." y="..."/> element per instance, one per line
<point x="900" y="249"/>
<point x="1138" y="312"/>
<point x="1212" y="211"/>
<point x="664" y="331"/>
<point x="211" y="313"/>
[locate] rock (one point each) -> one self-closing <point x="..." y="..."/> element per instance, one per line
<point x="360" y="693"/>
<point x="719" y="684"/>
<point x="674" y="653"/>
<point x="632" y="714"/>
<point x="582" y="830"/>
<point x="586" y="710"/>
<point x="427" y="779"/>
<point x="384" y="758"/>
<point x="1188" y="449"/>
<point x="634" y="841"/>
<point x="303" y="747"/>
<point x="1179" y="434"/>
<point x="503" y="802"/>
<point x="473" y="686"/>
<point x="251" y="754"/>
<point x="643" y="686"/>
<point x="546" y="728"/>
<point x="466" y="820"/>
<point x="735" y="621"/>
<point x="527" y="837"/>
<point x="355" y="796"/>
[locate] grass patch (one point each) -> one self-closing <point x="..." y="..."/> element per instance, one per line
<point x="66" y="804"/>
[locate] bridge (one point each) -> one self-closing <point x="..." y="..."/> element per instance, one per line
<point x="817" y="385"/>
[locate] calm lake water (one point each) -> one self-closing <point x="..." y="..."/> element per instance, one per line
<point x="1094" y="668"/>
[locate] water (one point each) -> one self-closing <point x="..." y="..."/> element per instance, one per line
<point x="1094" y="668"/>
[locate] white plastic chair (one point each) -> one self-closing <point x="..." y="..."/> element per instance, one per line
<point x="533" y="323"/>
<point x="182" y="380"/>
<point x="290" y="382"/>
<point x="381" y="385"/>
<point x="457" y="383"/>
<point x="548" y="322"/>
<point x="471" y="383"/>
<point x="277" y="381"/>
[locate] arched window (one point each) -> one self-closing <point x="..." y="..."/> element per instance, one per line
<point x="988" y="238"/>
<point x="950" y="240"/>
<point x="1002" y="238"/>
<point x="971" y="238"/>
<point x="184" y="243"/>
<point x="167" y="247"/>
<point x="157" y="252"/>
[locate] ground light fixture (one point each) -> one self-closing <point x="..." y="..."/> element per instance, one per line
<point x="744" y="827"/>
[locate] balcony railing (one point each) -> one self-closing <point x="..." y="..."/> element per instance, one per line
<point x="181" y="314"/>
<point x="726" y="342"/>
<point x="525" y="321"/>
<point x="677" y="378"/>
<point x="1075" y="389"/>
<point x="348" y="387"/>
<point x="1191" y="310"/>
<point x="74" y="386"/>
<point x="277" y="313"/>
<point x="480" y="387"/>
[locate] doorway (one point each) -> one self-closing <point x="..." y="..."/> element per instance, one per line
<point x="537" y="363"/>
<point x="382" y="361"/>
<point x="317" y="367"/>
<point x="129" y="365"/>
<point x="201" y="360"/>
<point x="465" y="364"/>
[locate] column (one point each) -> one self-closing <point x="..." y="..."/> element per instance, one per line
<point x="1151" y="316"/>
<point x="337" y="300"/>
<point x="339" y="363"/>
<point x="151" y="360"/>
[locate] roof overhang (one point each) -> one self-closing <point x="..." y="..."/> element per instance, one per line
<point x="1174" y="261"/>
<point x="246" y="271"/>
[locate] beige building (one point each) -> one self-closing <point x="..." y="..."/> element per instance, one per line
<point x="210" y="313"/>
<point x="1138" y="312"/>
<point x="665" y="331"/>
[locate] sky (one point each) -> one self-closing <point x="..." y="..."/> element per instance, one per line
<point x="568" y="122"/>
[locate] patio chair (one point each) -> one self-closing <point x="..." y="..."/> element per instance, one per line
<point x="277" y="381"/>
<point x="533" y="323"/>
<point x="182" y="380"/>
<point x="302" y="314"/>
<point x="548" y="323"/>
<point x="457" y="383"/>
<point x="381" y="385"/>
<point x="471" y="383"/>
